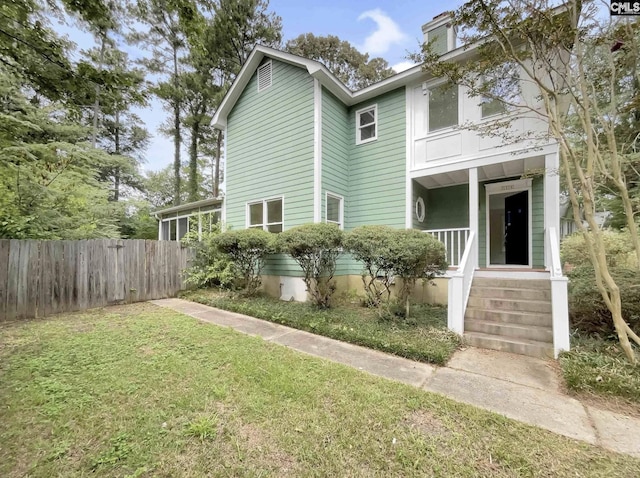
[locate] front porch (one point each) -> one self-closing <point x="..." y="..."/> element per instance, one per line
<point x="500" y="225"/>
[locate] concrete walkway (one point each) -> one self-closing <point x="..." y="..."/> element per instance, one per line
<point x="519" y="387"/>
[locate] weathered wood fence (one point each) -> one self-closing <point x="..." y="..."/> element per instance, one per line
<point x="41" y="278"/>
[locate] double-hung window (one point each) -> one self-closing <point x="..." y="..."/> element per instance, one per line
<point x="503" y="90"/>
<point x="367" y="124"/>
<point x="443" y="106"/>
<point x="334" y="213"/>
<point x="265" y="214"/>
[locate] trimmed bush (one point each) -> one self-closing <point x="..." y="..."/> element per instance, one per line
<point x="247" y="250"/>
<point x="315" y="247"/>
<point x="371" y="245"/>
<point x="389" y="254"/>
<point x="418" y="256"/>
<point x="209" y="267"/>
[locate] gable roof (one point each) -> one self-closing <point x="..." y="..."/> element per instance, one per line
<point x="317" y="70"/>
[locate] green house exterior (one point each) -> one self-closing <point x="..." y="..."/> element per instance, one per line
<point x="301" y="148"/>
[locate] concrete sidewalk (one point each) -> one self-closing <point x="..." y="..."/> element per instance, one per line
<point x="519" y="387"/>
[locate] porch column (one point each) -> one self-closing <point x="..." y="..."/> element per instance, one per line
<point x="551" y="199"/>
<point x="160" y="229"/>
<point x="474" y="206"/>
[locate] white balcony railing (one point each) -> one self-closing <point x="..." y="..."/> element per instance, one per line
<point x="460" y="286"/>
<point x="454" y="241"/>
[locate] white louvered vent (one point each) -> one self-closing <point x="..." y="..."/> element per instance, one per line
<point x="264" y="76"/>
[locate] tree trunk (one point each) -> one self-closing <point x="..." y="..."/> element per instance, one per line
<point x="177" y="138"/>
<point x="96" y="103"/>
<point x="193" y="161"/>
<point x="116" y="173"/>
<point x="216" y="176"/>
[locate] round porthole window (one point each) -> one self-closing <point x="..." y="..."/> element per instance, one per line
<point x="420" y="209"/>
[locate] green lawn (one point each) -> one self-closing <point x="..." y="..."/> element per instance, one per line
<point x="423" y="337"/>
<point x="143" y="391"/>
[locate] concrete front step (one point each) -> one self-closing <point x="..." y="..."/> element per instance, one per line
<point x="509" y="317"/>
<point x="528" y="332"/>
<point x="510" y="293"/>
<point x="531" y="348"/>
<point x="519" y="305"/>
<point x="499" y="282"/>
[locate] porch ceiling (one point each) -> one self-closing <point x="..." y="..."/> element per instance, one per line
<point x="488" y="172"/>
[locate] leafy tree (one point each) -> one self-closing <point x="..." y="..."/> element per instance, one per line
<point x="166" y="39"/>
<point x="572" y="56"/>
<point x="351" y="67"/>
<point x="315" y="247"/>
<point x="247" y="249"/>
<point x="210" y="267"/>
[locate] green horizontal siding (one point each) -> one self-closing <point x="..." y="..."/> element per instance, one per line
<point x="448" y="207"/>
<point x="270" y="151"/>
<point x="377" y="170"/>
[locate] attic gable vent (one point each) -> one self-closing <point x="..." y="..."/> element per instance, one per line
<point x="264" y="76"/>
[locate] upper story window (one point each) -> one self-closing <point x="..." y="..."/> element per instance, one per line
<point x="266" y="214"/>
<point x="367" y="124"/>
<point x="264" y="76"/>
<point x="502" y="87"/>
<point x="443" y="106"/>
<point x="334" y="213"/>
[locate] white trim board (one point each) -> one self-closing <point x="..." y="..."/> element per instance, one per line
<point x="317" y="151"/>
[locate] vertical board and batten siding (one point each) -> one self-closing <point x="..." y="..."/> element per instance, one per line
<point x="377" y="170"/>
<point x="42" y="278"/>
<point x="537" y="223"/>
<point x="270" y="151"/>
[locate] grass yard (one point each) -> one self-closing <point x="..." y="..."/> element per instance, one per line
<point x="423" y="337"/>
<point x="599" y="367"/>
<point x="142" y="391"/>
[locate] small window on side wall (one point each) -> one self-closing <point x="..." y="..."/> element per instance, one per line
<point x="367" y="124"/>
<point x="265" y="214"/>
<point x="503" y="92"/>
<point x="334" y="213"/>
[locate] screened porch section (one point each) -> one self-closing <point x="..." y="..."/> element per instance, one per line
<point x="197" y="217"/>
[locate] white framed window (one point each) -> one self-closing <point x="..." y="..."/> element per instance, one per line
<point x="334" y="209"/>
<point x="367" y="124"/>
<point x="266" y="214"/>
<point x="443" y="106"/>
<point x="264" y="76"/>
<point x="503" y="90"/>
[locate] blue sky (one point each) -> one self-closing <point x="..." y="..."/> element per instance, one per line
<point x="388" y="29"/>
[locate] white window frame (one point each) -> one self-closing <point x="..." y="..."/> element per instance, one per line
<point x="428" y="90"/>
<point x="340" y="198"/>
<point x="264" y="224"/>
<point x="375" y="123"/>
<point x="264" y="65"/>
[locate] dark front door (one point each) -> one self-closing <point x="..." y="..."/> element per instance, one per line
<point x="516" y="228"/>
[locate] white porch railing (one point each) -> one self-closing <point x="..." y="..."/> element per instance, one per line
<point x="454" y="241"/>
<point x="559" y="298"/>
<point x="460" y="286"/>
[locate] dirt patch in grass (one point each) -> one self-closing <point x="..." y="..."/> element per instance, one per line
<point x="425" y="422"/>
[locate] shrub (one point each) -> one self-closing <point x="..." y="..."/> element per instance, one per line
<point x="617" y="244"/>
<point x="247" y="250"/>
<point x="315" y="247"/>
<point x="587" y="309"/>
<point x="389" y="253"/>
<point x="371" y="245"/>
<point x="209" y="267"/>
<point x="417" y="256"/>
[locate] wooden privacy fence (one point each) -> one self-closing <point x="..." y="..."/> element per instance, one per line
<point x="41" y="278"/>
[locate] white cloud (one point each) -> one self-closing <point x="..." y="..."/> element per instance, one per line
<point x="384" y="36"/>
<point x="403" y="65"/>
